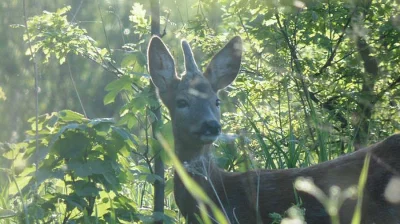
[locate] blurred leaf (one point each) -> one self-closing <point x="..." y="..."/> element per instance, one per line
<point x="6" y="213"/>
<point x="2" y="95"/>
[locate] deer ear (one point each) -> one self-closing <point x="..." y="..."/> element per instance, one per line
<point x="225" y="65"/>
<point x="161" y="64"/>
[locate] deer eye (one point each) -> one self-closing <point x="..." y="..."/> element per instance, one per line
<point x="218" y="103"/>
<point x="182" y="103"/>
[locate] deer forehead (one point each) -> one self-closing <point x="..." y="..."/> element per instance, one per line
<point x="195" y="86"/>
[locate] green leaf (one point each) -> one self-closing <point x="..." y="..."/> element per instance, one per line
<point x="118" y="84"/>
<point x="72" y="145"/>
<point x="88" y="168"/>
<point x="169" y="186"/>
<point x="6" y="213"/>
<point x="44" y="174"/>
<point x="69" y="115"/>
<point x="74" y="201"/>
<point x="123" y="83"/>
<point x="112" y="180"/>
<point x="38" y="154"/>
<point x="129" y="60"/>
<point x="102" y="126"/>
<point x="135" y="60"/>
<point x="125" y="135"/>
<point x="151" y="178"/>
<point x="52" y="120"/>
<point x="110" y="97"/>
<point x="97" y="121"/>
<point x="84" y="189"/>
<point x="80" y="169"/>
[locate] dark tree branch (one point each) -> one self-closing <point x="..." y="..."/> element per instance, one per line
<point x="329" y="106"/>
<point x="333" y="53"/>
<point x="370" y="62"/>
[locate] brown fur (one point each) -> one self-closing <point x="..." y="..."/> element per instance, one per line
<point x="237" y="194"/>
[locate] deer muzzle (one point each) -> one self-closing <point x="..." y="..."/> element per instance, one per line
<point x="209" y="131"/>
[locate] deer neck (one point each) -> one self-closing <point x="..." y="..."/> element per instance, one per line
<point x="188" y="152"/>
<point x="199" y="164"/>
<point x="196" y="158"/>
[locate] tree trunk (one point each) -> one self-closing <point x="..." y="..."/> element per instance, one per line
<point x="366" y="101"/>
<point x="158" y="163"/>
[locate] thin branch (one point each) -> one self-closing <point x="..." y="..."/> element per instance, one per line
<point x="116" y="71"/>
<point x="76" y="90"/>
<point x="165" y="27"/>
<point x="292" y="49"/>
<point x="387" y="89"/>
<point x="255" y="52"/>
<point x="333" y="54"/>
<point x="104" y="28"/>
<point x="200" y="8"/>
<point x="77" y="10"/>
<point x="344" y="57"/>
<point x="328" y="105"/>
<point x="297" y="67"/>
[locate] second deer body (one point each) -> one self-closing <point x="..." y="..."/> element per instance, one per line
<point x="251" y="196"/>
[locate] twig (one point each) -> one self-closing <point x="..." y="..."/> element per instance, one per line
<point x="77" y="10"/>
<point x="165" y="27"/>
<point x="333" y="54"/>
<point x="388" y="88"/>
<point x="76" y="90"/>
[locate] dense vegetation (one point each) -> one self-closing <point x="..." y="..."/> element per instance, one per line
<point x="318" y="79"/>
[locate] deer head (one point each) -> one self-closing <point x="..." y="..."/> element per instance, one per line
<point x="192" y="98"/>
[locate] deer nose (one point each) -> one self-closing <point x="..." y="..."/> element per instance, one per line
<point x="211" y="127"/>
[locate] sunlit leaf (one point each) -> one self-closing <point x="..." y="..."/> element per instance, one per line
<point x="69" y="115"/>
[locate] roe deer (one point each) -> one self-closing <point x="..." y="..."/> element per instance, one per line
<point x="251" y="196"/>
